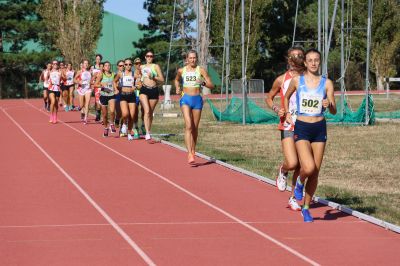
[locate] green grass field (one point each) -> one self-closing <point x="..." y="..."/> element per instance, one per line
<point x="360" y="169"/>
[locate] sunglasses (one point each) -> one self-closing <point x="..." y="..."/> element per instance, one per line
<point x="128" y="64"/>
<point x="137" y="63"/>
<point x="150" y="56"/>
<point x="120" y="65"/>
<point x="296" y="56"/>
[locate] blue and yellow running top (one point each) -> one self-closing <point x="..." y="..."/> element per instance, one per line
<point x="190" y="78"/>
<point x="309" y="101"/>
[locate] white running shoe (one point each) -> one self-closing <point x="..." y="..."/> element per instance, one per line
<point x="293" y="204"/>
<point x="124" y="129"/>
<point x="130" y="137"/>
<point x="147" y="137"/>
<point x="281" y="180"/>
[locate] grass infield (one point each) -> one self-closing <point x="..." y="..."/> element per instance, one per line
<point x="360" y="167"/>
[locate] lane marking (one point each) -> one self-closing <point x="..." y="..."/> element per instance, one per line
<point x="124" y="235"/>
<point x="205" y="202"/>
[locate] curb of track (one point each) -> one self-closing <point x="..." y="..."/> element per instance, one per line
<point x="333" y="205"/>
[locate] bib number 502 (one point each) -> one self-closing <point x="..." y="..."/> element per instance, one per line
<point x="309" y="103"/>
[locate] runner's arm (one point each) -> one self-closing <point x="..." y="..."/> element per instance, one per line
<point x="177" y="81"/>
<point x="330" y="101"/>
<point x="269" y="100"/>
<point x="160" y="77"/>
<point x="292" y="88"/>
<point x="207" y="80"/>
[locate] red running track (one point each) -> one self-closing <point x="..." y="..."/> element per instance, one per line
<point x="68" y="196"/>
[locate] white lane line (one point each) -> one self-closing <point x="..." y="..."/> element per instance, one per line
<point x="86" y="195"/>
<point x="209" y="204"/>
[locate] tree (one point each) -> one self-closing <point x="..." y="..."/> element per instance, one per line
<point x="22" y="47"/>
<point x="158" y="31"/>
<point x="386" y="39"/>
<point x="76" y="28"/>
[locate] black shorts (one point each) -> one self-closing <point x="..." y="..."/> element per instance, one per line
<point x="129" y="97"/>
<point x="104" y="99"/>
<point x="286" y="134"/>
<point x="152" y="93"/>
<point x="66" y="87"/>
<point x="56" y="93"/>
<point x="313" y="132"/>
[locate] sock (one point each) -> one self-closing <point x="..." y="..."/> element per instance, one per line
<point x="299" y="181"/>
<point x="306" y="207"/>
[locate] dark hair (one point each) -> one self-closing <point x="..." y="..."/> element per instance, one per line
<point x="191" y="52"/>
<point x="101" y="57"/>
<point x="149" y="51"/>
<point x="312" y="50"/>
<point x="128" y="59"/>
<point x="295" y="48"/>
<point x="106" y="62"/>
<point x="119" y="61"/>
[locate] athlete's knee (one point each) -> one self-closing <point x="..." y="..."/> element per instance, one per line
<point x="291" y="164"/>
<point x="308" y="169"/>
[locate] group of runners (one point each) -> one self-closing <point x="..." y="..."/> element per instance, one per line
<point x="118" y="95"/>
<point x="304" y="96"/>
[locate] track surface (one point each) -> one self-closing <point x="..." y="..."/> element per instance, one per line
<point x="68" y="196"/>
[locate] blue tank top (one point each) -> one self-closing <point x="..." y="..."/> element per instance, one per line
<point x="309" y="101"/>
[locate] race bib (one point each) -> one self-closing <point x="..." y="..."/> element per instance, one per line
<point x="310" y="104"/>
<point x="190" y="79"/>
<point x="127" y="81"/>
<point x="55" y="78"/>
<point x="108" y="87"/>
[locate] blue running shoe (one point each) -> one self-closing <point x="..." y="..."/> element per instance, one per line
<point x="298" y="191"/>
<point x="307" y="216"/>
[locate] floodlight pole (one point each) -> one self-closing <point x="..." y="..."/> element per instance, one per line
<point x="227" y="49"/>
<point x="243" y="70"/>
<point x="367" y="62"/>
<point x="342" y="74"/>
<point x="170" y="43"/>
<point x="326" y="18"/>
<point x="319" y="25"/>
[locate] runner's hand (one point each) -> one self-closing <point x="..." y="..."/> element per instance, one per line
<point x="281" y="112"/>
<point x="178" y="90"/>
<point x="289" y="118"/>
<point x="325" y="103"/>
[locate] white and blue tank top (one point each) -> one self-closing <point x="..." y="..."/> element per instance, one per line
<point x="309" y="101"/>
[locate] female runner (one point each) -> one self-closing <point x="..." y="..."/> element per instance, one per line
<point x="83" y="78"/>
<point x="105" y="81"/>
<point x="295" y="60"/>
<point x="128" y="96"/>
<point x="314" y="93"/>
<point x="192" y="77"/>
<point x="54" y="91"/>
<point x="152" y="77"/>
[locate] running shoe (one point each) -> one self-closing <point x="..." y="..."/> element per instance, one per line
<point x="124" y="129"/>
<point x="97" y="116"/>
<point x="281" y="180"/>
<point x="66" y="108"/>
<point x="307" y="216"/>
<point x="112" y="127"/>
<point x="147" y="137"/>
<point x="55" y="118"/>
<point x="136" y="134"/>
<point x="82" y="116"/>
<point x="105" y="132"/>
<point x="143" y="129"/>
<point x="298" y="190"/>
<point x="293" y="204"/>
<point x="130" y="137"/>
